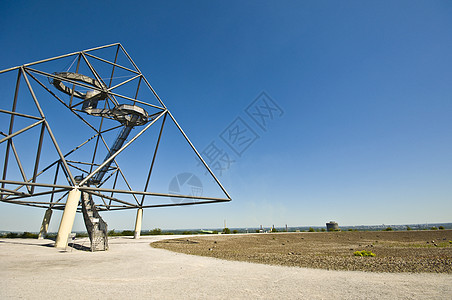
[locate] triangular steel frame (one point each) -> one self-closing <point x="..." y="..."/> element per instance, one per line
<point x="23" y="191"/>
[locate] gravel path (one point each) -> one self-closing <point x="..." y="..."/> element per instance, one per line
<point x="32" y="269"/>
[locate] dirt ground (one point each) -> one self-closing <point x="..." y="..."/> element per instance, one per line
<point x="399" y="251"/>
<point x="131" y="269"/>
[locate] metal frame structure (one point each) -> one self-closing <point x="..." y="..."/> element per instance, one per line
<point x="66" y="90"/>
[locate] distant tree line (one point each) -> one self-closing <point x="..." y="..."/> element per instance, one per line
<point x="158" y="231"/>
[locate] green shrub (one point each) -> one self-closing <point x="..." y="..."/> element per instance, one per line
<point x="226" y="231"/>
<point x="388" y="229"/>
<point x="434" y="228"/>
<point x="311" y="229"/>
<point x="408" y="228"/>
<point x="364" y="253"/>
<point x="51" y="236"/>
<point x="155" y="231"/>
<point x="12" y="235"/>
<point x="323" y="229"/>
<point x="25" y="235"/>
<point x="235" y="231"/>
<point x="127" y="232"/>
<point x="118" y="233"/>
<point x="441" y="227"/>
<point x="28" y="235"/>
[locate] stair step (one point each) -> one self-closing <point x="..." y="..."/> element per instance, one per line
<point x="96" y="227"/>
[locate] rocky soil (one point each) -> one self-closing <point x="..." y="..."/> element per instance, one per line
<point x="399" y="251"/>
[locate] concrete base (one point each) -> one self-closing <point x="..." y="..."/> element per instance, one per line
<point x="45" y="224"/>
<point x="137" y="232"/>
<point x="67" y="220"/>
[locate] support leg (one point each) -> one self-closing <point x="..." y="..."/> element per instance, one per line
<point x="138" y="224"/>
<point x="45" y="224"/>
<point x="67" y="220"/>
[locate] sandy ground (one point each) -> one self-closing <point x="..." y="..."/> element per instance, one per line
<point x="32" y="269"/>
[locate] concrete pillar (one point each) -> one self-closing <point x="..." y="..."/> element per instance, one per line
<point x="67" y="220"/>
<point x="138" y="223"/>
<point x="45" y="224"/>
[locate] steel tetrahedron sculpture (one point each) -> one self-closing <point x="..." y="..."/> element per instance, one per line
<point x="64" y="124"/>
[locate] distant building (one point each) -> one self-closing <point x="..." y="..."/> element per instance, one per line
<point x="332" y="226"/>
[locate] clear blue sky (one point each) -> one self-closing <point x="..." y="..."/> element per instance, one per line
<point x="364" y="86"/>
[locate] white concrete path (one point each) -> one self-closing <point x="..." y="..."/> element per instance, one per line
<point x="131" y="269"/>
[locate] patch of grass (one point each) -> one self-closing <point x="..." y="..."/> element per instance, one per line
<point x="364" y="253"/>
